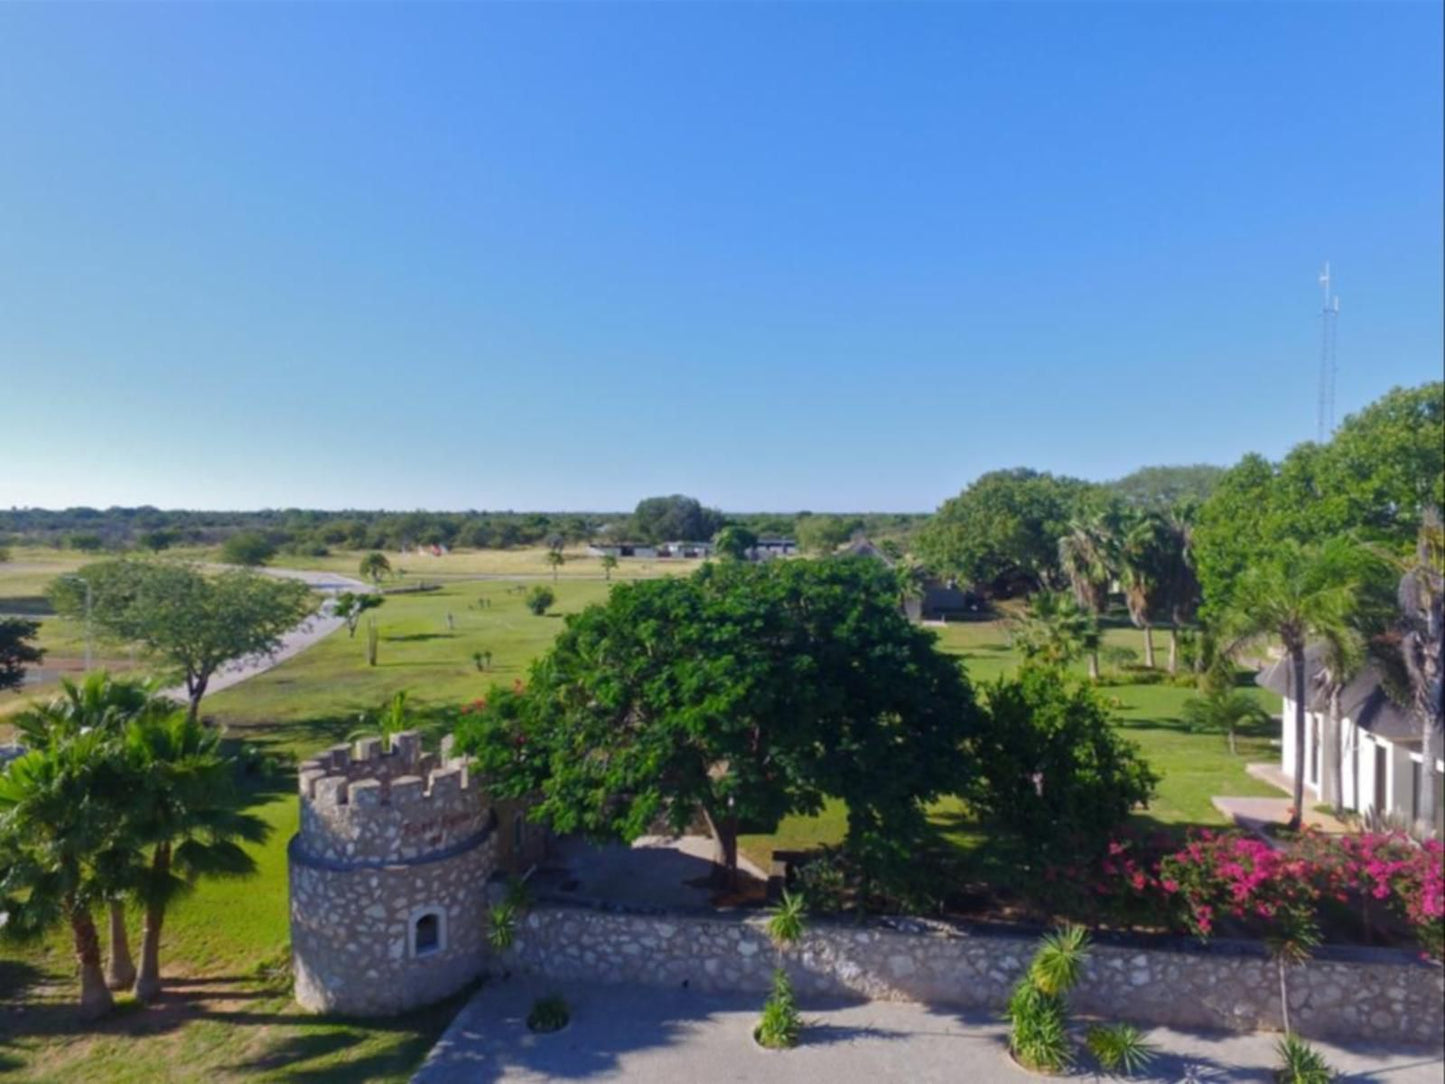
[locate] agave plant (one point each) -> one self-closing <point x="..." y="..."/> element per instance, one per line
<point x="1300" y="1063"/>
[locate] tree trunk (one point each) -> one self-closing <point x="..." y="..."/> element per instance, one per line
<point x="1233" y="748"/>
<point x="1283" y="995"/>
<point x="148" y="980"/>
<point x="1334" y="760"/>
<point x="725" y="833"/>
<point x="1297" y="665"/>
<point x="1174" y="648"/>
<point x="95" y="999"/>
<point x="119" y="969"/>
<point x="1429" y="811"/>
<point x="195" y="689"/>
<point x="1149" y="646"/>
<point x="1094" y="665"/>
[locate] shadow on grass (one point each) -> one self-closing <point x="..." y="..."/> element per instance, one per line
<point x="298" y="1046"/>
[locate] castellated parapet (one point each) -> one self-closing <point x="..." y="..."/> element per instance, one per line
<point x="388" y="875"/>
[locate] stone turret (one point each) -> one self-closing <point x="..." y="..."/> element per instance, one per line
<point x="388" y="875"/>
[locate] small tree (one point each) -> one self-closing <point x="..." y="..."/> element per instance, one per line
<point x="735" y="542"/>
<point x="186" y="619"/>
<point x="540" y="599"/>
<point x="249" y="549"/>
<point x="17" y="650"/>
<point x="374" y="566"/>
<point x="556" y="560"/>
<point x="781" y="1023"/>
<point x="1055" y="630"/>
<point x="350" y="605"/>
<point x="1053" y="768"/>
<point x="1225" y="710"/>
<point x="609" y="563"/>
<point x="1038" y="1010"/>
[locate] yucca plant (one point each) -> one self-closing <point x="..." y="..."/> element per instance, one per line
<point x="786" y="925"/>
<point x="1037" y="1010"/>
<point x="1119" y="1049"/>
<point x="502" y="926"/>
<point x="1300" y="1063"/>
<point x="1038" y="1037"/>
<point x="781" y="1023"/>
<point x="1060" y="960"/>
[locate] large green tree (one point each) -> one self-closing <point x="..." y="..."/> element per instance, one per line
<point x="674" y="519"/>
<point x="186" y="619"/>
<point x="1003" y="531"/>
<point x="744" y="693"/>
<point x="735" y="541"/>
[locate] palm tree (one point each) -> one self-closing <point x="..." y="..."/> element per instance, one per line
<point x="1087" y="556"/>
<point x="1056" y="630"/>
<point x="1300" y="593"/>
<point x="1180" y="585"/>
<point x="105" y="704"/>
<point x="189" y="812"/>
<point x="1224" y="709"/>
<point x="1141" y="560"/>
<point x="374" y="566"/>
<point x="556" y="560"/>
<point x="609" y="562"/>
<point x="1422" y="636"/>
<point x="1342" y="656"/>
<point x="60" y="847"/>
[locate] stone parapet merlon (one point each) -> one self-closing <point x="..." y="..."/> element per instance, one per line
<point x="365" y="803"/>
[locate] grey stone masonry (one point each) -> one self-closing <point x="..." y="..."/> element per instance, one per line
<point x="387" y="877"/>
<point x="1375" y="995"/>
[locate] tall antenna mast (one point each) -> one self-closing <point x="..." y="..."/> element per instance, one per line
<point x="1329" y="316"/>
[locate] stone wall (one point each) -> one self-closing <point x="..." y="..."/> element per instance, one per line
<point x="386" y="838"/>
<point x="1343" y="995"/>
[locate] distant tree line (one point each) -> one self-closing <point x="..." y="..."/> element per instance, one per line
<point x="256" y="537"/>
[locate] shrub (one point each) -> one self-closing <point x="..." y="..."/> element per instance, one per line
<point x="540" y="599"/>
<point x="1119" y="1048"/>
<point x="1300" y="1063"/>
<point x="781" y="1023"/>
<point x="247" y="548"/>
<point x="548" y="1014"/>
<point x="1050" y="758"/>
<point x="824" y="880"/>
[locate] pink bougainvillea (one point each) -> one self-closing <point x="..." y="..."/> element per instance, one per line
<point x="1277" y="891"/>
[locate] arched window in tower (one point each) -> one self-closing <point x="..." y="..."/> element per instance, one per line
<point x="428" y="932"/>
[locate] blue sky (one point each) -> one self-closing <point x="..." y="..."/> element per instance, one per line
<point x="778" y="257"/>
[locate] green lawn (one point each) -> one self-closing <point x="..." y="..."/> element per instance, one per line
<point x="230" y="1017"/>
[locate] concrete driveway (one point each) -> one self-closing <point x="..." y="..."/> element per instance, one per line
<point x="678" y="1036"/>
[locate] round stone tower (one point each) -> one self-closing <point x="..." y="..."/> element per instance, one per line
<point x="388" y="877"/>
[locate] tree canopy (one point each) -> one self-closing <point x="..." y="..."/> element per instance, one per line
<point x="1003" y="531"/>
<point x="747" y="692"/>
<point x="1161" y="488"/>
<point x="186" y="619"/>
<point x="674" y="519"/>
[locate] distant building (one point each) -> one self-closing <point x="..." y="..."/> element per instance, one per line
<point x="621" y="549"/>
<point x="944" y="600"/>
<point x="692" y="550"/>
<point x="773" y="547"/>
<point x="1380" y="747"/>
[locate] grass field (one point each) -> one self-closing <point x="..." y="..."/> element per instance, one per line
<point x="230" y="1016"/>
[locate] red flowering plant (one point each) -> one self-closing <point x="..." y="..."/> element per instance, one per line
<point x="1387" y="868"/>
<point x="1221" y="876"/>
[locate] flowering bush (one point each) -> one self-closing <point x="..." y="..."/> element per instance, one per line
<point x="1228" y="873"/>
<point x="1270" y="892"/>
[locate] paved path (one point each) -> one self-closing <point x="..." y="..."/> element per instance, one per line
<point x="312" y="630"/>
<point x="671" y="1036"/>
<point x="654" y="871"/>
